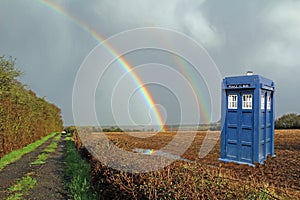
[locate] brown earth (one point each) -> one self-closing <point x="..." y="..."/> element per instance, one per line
<point x="49" y="176"/>
<point x="281" y="173"/>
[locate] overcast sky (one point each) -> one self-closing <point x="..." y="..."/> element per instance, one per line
<point x="263" y="36"/>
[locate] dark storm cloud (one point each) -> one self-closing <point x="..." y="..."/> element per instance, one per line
<point x="48" y="47"/>
<point x="260" y="35"/>
<point x="263" y="36"/>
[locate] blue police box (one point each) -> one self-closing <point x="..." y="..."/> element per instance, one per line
<point x="247" y="134"/>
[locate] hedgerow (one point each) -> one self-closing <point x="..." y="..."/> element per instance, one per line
<point x="24" y="117"/>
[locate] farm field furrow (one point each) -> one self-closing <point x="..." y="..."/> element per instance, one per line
<point x="202" y="177"/>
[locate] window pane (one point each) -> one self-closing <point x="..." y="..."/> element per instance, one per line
<point x="247" y="101"/>
<point x="232" y="101"/>
<point x="269" y="103"/>
<point x="262" y="102"/>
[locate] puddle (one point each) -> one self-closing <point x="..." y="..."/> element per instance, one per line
<point x="160" y="153"/>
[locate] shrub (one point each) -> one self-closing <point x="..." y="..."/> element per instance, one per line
<point x="288" y="121"/>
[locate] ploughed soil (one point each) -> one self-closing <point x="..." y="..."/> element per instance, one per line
<point x="281" y="172"/>
<point x="49" y="176"/>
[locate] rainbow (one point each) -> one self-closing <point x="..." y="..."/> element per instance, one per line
<point x="193" y="80"/>
<point x="150" y="152"/>
<point x="186" y="71"/>
<point x="125" y="65"/>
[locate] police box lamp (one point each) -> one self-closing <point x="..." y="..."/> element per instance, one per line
<point x="247" y="135"/>
<point x="249" y="73"/>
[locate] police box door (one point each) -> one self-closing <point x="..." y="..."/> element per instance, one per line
<point x="239" y="125"/>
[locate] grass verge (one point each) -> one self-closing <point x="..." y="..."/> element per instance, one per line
<point x="51" y="148"/>
<point x="78" y="170"/>
<point x="41" y="159"/>
<point x="21" y="187"/>
<point x="57" y="137"/>
<point x="16" y="155"/>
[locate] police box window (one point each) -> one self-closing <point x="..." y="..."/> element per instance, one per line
<point x="262" y="102"/>
<point x="247" y="101"/>
<point x="232" y="101"/>
<point x="269" y="103"/>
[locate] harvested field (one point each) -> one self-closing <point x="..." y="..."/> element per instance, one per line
<point x="202" y="178"/>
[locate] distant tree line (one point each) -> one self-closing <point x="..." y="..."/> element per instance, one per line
<point x="24" y="117"/>
<point x="288" y="121"/>
<point x="70" y="129"/>
<point x="112" y="129"/>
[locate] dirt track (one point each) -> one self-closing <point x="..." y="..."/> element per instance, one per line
<point x="49" y="176"/>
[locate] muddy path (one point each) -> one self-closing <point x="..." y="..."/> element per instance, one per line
<point x="49" y="176"/>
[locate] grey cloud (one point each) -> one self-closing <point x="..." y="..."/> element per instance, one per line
<point x="261" y="35"/>
<point x="180" y="15"/>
